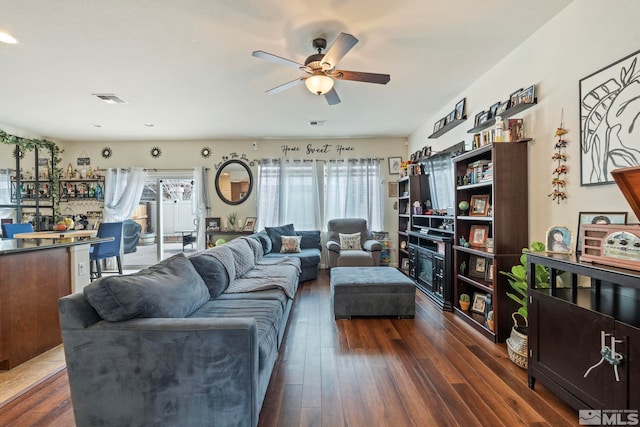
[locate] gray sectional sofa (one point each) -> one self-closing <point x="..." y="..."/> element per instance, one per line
<point x="189" y="341"/>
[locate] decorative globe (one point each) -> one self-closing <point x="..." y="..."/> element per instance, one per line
<point x="220" y="242"/>
<point x="463" y="205"/>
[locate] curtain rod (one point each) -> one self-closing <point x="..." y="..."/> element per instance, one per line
<point x="170" y="170"/>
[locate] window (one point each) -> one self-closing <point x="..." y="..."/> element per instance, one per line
<point x="353" y="190"/>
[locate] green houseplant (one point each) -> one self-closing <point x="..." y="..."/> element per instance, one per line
<point x="517" y="343"/>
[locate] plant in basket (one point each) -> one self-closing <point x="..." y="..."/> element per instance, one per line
<point x="517" y="343"/>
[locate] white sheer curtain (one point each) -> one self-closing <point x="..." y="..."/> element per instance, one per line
<point x="5" y="194"/>
<point x="353" y="190"/>
<point x="123" y="188"/>
<point x="200" y="203"/>
<point x="288" y="192"/>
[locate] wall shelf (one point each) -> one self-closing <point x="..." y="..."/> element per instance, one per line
<point x="508" y="113"/>
<point x="446" y="128"/>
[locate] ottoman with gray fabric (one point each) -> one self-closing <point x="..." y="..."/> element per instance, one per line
<point x="372" y="291"/>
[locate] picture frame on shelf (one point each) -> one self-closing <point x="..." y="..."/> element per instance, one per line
<point x="394" y="165"/>
<point x="559" y="239"/>
<point x="485" y="117"/>
<point x="488" y="274"/>
<point x="459" y="110"/>
<point x="477" y="305"/>
<point x="514" y="98"/>
<point x="603" y="218"/>
<point x="493" y="109"/>
<point x="436" y="126"/>
<point x="527" y="96"/>
<point x="405" y="263"/>
<point x="502" y="107"/>
<point x="426" y="151"/>
<point x="213" y="223"/>
<point x="477" y="266"/>
<point x="476" y="120"/>
<point x="479" y="205"/>
<point x="249" y="224"/>
<point x="450" y="117"/>
<point x="478" y="235"/>
<point x="393" y="189"/>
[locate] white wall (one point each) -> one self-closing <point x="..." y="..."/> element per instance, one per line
<point x="585" y="37"/>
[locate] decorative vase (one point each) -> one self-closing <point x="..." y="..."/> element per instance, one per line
<point x="464" y="305"/>
<point x="490" y="324"/>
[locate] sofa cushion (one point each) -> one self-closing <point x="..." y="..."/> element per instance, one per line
<point x="243" y="257"/>
<point x="267" y="313"/>
<point x="256" y="247"/>
<point x="290" y="244"/>
<point x="170" y="288"/>
<point x="264" y="240"/>
<point x="276" y="233"/>
<point x="212" y="271"/>
<point x="307" y="257"/>
<point x="350" y="241"/>
<point x="310" y="239"/>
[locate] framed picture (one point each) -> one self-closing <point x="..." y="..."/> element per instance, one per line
<point x="598" y="218"/>
<point x="213" y="224"/>
<point x="426" y="151"/>
<point x="493" y="109"/>
<point x="502" y="108"/>
<point x="559" y="239"/>
<point x="405" y="263"/>
<point x="479" y="205"/>
<point x="460" y="109"/>
<point x="476" y="120"/>
<point x="488" y="274"/>
<point x="450" y="117"/>
<point x="477" y="306"/>
<point x="478" y="235"/>
<point x="394" y="165"/>
<point x="249" y="224"/>
<point x="514" y="98"/>
<point x="393" y="189"/>
<point x="608" y="112"/>
<point x="436" y="126"/>
<point x="528" y="95"/>
<point x="477" y="266"/>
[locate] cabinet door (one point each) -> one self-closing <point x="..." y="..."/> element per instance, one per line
<point x="628" y="388"/>
<point x="564" y="342"/>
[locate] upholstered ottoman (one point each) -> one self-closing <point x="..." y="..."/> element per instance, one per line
<point x="372" y="291"/>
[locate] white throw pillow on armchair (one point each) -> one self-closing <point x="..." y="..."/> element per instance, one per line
<point x="350" y="241"/>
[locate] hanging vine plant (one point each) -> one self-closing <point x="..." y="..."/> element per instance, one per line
<point x="25" y="144"/>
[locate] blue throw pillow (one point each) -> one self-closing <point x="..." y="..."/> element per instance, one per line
<point x="214" y="274"/>
<point x="276" y="233"/>
<point x="170" y="288"/>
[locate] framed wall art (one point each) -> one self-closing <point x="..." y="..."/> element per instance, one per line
<point x="394" y="165"/>
<point x="598" y="218"/>
<point x="460" y="109"/>
<point x="479" y="205"/>
<point x="609" y="108"/>
<point x="393" y="189"/>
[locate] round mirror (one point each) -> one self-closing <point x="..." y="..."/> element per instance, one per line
<point x="234" y="182"/>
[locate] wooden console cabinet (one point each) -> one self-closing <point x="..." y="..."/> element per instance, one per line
<point x="568" y="325"/>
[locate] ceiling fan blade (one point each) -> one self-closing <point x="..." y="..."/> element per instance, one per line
<point x="340" y="47"/>
<point x="286" y="86"/>
<point x="360" y="76"/>
<point x="332" y="97"/>
<point x="278" y="59"/>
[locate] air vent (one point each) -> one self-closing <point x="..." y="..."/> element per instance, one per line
<point x="318" y="123"/>
<point x="110" y="98"/>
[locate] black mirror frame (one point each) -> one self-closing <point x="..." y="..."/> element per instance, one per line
<point x="217" y="182"/>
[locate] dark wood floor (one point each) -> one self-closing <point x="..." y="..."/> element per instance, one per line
<point x="429" y="371"/>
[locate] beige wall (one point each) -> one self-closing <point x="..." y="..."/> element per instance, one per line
<point x="585" y="37"/>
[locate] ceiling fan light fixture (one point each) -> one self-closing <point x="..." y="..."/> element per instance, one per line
<point x="319" y="83"/>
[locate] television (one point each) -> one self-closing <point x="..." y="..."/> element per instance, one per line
<point x="439" y="168"/>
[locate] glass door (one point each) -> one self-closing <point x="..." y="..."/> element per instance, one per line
<point x="165" y="214"/>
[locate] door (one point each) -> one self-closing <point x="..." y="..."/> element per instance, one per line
<point x="171" y="228"/>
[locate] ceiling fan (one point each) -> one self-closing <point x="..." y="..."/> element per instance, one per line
<point x="322" y="68"/>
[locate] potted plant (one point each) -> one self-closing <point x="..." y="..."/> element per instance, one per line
<point x="490" y="319"/>
<point x="517" y="343"/>
<point x="465" y="301"/>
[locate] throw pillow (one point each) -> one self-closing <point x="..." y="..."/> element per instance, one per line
<point x="170" y="288"/>
<point x="350" y="241"/>
<point x="243" y="257"/>
<point x="290" y="244"/>
<point x="213" y="272"/>
<point x="276" y="233"/>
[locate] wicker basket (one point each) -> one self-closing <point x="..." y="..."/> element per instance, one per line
<point x="518" y="344"/>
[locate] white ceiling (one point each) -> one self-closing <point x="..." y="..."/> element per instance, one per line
<point x="186" y="66"/>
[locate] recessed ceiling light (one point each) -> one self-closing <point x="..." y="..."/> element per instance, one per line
<point x="149" y="125"/>
<point x="110" y="98"/>
<point x="7" y="38"/>
<point x="96" y="125"/>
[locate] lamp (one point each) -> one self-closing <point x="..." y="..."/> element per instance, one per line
<point x="319" y="83"/>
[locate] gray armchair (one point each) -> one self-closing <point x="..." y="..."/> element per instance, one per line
<point x="367" y="255"/>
